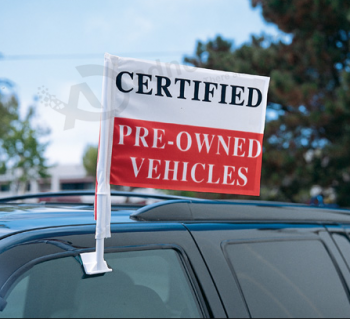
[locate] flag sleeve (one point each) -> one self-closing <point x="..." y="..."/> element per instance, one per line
<point x="103" y="190"/>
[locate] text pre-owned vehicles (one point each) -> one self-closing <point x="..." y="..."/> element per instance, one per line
<point x="176" y="258"/>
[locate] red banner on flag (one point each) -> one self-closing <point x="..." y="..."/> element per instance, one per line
<point x="183" y="157"/>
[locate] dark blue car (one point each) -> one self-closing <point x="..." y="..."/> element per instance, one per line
<point x="179" y="258"/>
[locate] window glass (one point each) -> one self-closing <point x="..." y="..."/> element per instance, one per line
<point x="143" y="284"/>
<point x="77" y="186"/>
<point x="5" y="187"/>
<point x="289" y="280"/>
<point x="16" y="300"/>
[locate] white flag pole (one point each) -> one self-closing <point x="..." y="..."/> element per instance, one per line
<point x="94" y="263"/>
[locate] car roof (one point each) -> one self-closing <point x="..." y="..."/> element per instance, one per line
<point x="17" y="217"/>
<point x="24" y="217"/>
<point x="239" y="211"/>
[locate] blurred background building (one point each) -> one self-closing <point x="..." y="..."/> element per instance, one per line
<point x="62" y="178"/>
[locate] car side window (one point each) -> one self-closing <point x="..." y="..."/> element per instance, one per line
<point x="289" y="279"/>
<point x="150" y="283"/>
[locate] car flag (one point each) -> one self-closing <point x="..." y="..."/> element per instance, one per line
<point x="176" y="127"/>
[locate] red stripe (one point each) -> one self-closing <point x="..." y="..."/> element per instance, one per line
<point x="225" y="162"/>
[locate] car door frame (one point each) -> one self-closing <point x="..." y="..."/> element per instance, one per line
<point x="72" y="241"/>
<point x="211" y="239"/>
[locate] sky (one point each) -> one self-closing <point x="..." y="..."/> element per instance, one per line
<point x="45" y="43"/>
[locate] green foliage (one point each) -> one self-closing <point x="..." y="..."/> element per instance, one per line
<point x="20" y="146"/>
<point x="90" y="160"/>
<point x="307" y="137"/>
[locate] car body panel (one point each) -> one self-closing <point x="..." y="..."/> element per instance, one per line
<point x="30" y="234"/>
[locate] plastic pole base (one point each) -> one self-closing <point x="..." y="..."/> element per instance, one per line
<point x="92" y="266"/>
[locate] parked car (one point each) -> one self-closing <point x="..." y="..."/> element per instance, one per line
<point x="176" y="258"/>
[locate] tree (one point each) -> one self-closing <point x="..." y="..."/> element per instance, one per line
<point x="307" y="138"/>
<point x="20" y="147"/>
<point x="90" y="160"/>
